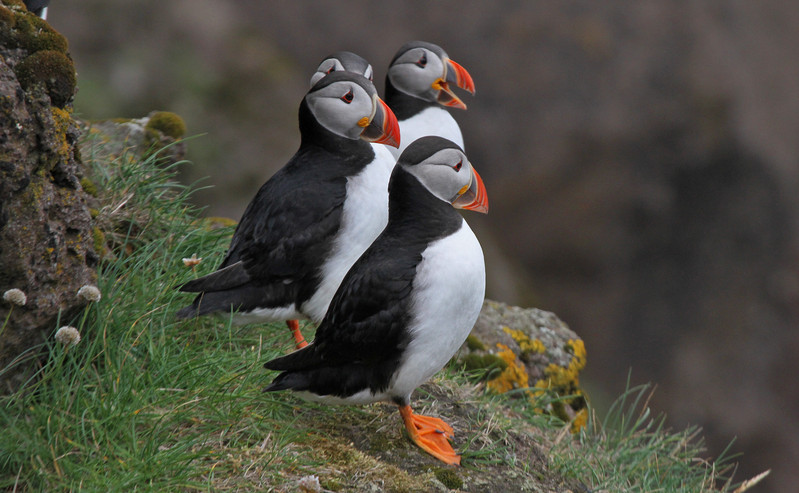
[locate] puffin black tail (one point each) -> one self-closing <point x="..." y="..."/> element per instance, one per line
<point x="229" y="277"/>
<point x="187" y="312"/>
<point x="302" y="359"/>
<point x="288" y="381"/>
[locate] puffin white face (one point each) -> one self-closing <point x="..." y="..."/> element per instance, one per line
<point x="343" y="107"/>
<point x="416" y="73"/>
<point x="447" y="174"/>
<point x="350" y="63"/>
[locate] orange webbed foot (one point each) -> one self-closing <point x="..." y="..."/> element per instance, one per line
<point x="294" y="327"/>
<point x="430" y="434"/>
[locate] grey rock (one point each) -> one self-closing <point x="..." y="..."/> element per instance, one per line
<point x="527" y="348"/>
<point x="46" y="241"/>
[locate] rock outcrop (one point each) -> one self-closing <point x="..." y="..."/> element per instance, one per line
<point x="46" y="229"/>
<point x="532" y="351"/>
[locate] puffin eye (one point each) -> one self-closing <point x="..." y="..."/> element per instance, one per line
<point x="459" y="165"/>
<point x="347" y="98"/>
<point x="331" y="69"/>
<point x="422" y="61"/>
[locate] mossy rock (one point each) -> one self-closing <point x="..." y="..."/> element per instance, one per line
<point x="7" y="17"/>
<point x="51" y="69"/>
<point x="448" y="478"/>
<point x="167" y="123"/>
<point x="22" y="29"/>
<point x="531" y="350"/>
<point x="88" y="186"/>
<point x="491" y="364"/>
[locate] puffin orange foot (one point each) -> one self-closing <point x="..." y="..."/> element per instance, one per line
<point x="294" y="327"/>
<point x="430" y="434"/>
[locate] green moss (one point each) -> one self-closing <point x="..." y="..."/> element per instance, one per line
<point x="51" y="69"/>
<point x="88" y="186"/>
<point x="474" y="343"/>
<point x="331" y="484"/>
<point x="18" y="4"/>
<point x="489" y="362"/>
<point x="33" y="34"/>
<point x="94" y="212"/>
<point x="381" y="443"/>
<point x="167" y="123"/>
<point x="7" y="17"/>
<point x="448" y="477"/>
<point x="98" y="241"/>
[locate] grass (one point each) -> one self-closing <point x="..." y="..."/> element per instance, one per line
<point x="630" y="450"/>
<point x="148" y="403"/>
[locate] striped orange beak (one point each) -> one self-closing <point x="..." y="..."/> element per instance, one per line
<point x="474" y="198"/>
<point x="454" y="73"/>
<point x="383" y="128"/>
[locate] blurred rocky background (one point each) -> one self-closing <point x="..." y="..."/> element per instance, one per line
<point x="642" y="160"/>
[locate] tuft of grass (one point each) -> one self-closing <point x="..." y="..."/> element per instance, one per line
<point x="146" y="402"/>
<point x="629" y="449"/>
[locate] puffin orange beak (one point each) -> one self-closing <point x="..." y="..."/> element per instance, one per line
<point x="454" y="73"/>
<point x="383" y="127"/>
<point x="474" y="198"/>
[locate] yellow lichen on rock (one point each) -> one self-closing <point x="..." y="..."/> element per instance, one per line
<point x="62" y="119"/>
<point x="579" y="421"/>
<point x="525" y="343"/>
<point x="565" y="381"/>
<point x="569" y="376"/>
<point x="514" y="376"/>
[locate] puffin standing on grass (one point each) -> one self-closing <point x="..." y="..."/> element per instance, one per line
<point x="408" y="303"/>
<point x="308" y="223"/>
<point x="418" y="91"/>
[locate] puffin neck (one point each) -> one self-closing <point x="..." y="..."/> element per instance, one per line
<point x="412" y="207"/>
<point x="313" y="134"/>
<point x="404" y="105"/>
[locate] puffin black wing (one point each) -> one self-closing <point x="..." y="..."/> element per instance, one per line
<point x="277" y="247"/>
<point x="361" y="339"/>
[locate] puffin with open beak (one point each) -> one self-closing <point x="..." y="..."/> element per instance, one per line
<point x="419" y="89"/>
<point x="408" y="303"/>
<point x="310" y="221"/>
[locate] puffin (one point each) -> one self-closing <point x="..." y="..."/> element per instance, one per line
<point x="312" y="219"/>
<point x="343" y="61"/>
<point x="37" y="7"/>
<point x="408" y="303"/>
<point x="418" y="89"/>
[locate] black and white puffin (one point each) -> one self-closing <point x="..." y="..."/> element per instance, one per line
<point x="311" y="220"/>
<point x="409" y="301"/>
<point x="418" y="91"/>
<point x="346" y="61"/>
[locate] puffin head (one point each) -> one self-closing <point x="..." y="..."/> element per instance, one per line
<point x="423" y="70"/>
<point x="445" y="171"/>
<point x="347" y="105"/>
<point x="342" y="61"/>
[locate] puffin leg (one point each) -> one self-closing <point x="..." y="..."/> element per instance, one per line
<point x="294" y="327"/>
<point x="431" y="434"/>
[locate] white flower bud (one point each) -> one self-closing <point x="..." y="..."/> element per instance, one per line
<point x="309" y="484"/>
<point x="15" y="296"/>
<point x="89" y="293"/>
<point x="68" y="336"/>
